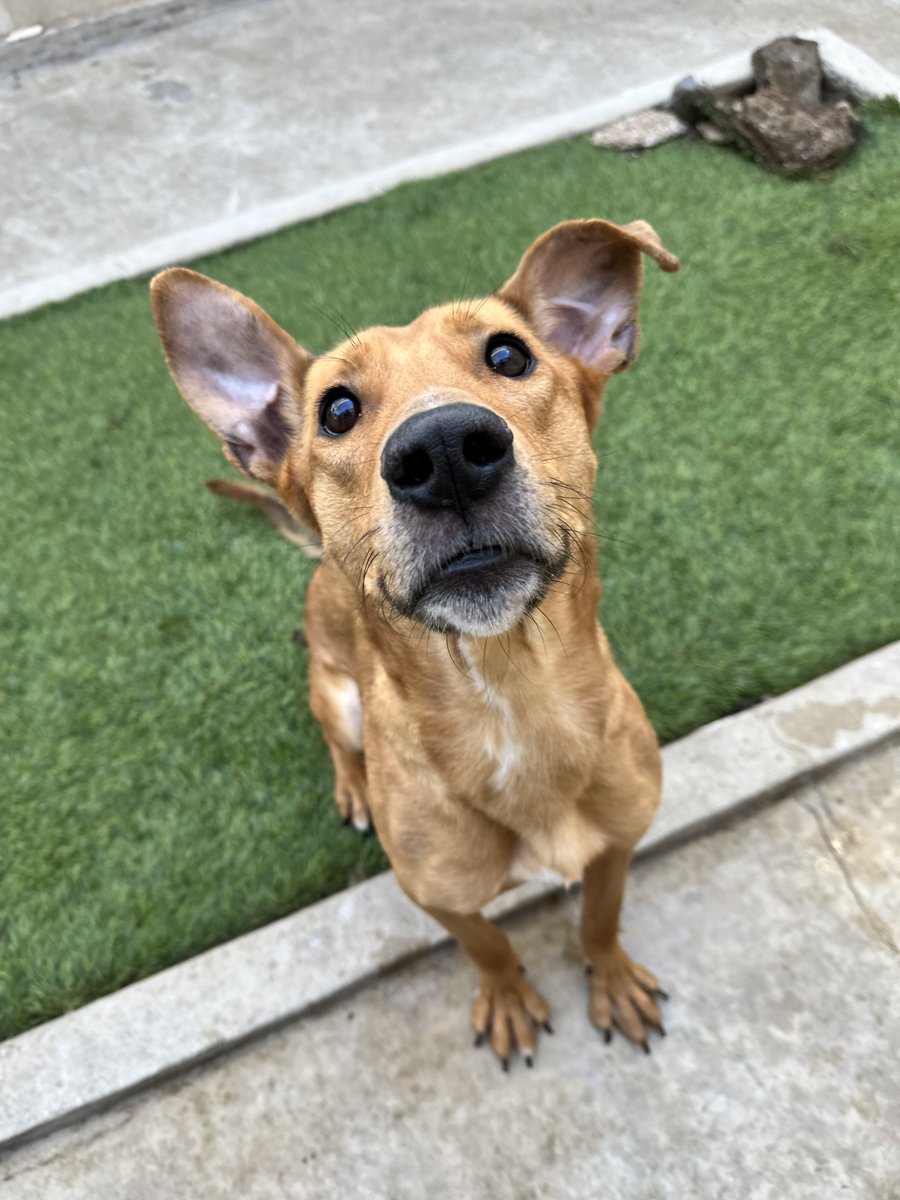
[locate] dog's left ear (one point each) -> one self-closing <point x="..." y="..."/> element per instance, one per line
<point x="580" y="286"/>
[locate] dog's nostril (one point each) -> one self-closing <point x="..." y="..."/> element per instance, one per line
<point x="415" y="468"/>
<point x="482" y="449"/>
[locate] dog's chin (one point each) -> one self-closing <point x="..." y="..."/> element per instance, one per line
<point x="482" y="594"/>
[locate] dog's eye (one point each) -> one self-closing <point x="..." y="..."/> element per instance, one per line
<point x="507" y="355"/>
<point x="339" y="412"/>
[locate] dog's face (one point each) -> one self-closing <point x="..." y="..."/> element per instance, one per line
<point x="446" y="464"/>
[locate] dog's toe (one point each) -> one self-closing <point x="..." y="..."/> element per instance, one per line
<point x="509" y="1012"/>
<point x="623" y="996"/>
<point x="353" y="809"/>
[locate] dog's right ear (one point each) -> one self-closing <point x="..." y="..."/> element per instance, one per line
<point x="580" y="285"/>
<point x="236" y="368"/>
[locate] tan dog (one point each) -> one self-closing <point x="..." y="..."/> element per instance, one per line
<point x="468" y="697"/>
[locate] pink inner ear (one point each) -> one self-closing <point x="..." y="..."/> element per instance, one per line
<point x="585" y="329"/>
<point x="589" y="293"/>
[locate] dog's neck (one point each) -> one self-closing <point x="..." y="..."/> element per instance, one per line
<point x="550" y="640"/>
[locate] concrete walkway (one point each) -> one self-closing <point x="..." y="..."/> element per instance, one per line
<point x="778" y="941"/>
<point x="259" y="112"/>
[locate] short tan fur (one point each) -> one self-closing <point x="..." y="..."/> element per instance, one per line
<point x="467" y="694"/>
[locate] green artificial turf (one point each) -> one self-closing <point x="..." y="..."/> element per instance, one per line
<point x="164" y="787"/>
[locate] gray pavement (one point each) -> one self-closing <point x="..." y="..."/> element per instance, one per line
<point x="53" y="13"/>
<point x="117" y="164"/>
<point x="777" y="938"/>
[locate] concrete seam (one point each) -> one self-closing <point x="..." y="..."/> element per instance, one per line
<point x="881" y="931"/>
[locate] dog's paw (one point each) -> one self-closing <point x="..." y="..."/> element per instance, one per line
<point x="350" y="792"/>
<point x="508" y="1011"/>
<point x="623" y="995"/>
<point x="353" y="807"/>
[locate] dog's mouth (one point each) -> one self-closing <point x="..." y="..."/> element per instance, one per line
<point x="476" y="558"/>
<point x="481" y="566"/>
<point x="482" y="588"/>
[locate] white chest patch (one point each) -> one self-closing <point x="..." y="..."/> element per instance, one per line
<point x="500" y="742"/>
<point x="349" y="704"/>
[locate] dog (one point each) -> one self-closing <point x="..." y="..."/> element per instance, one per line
<point x="466" y="692"/>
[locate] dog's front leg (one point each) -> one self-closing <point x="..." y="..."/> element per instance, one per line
<point x="622" y="993"/>
<point x="507" y="1007"/>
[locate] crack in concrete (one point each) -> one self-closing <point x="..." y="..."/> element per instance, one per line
<point x="879" y="927"/>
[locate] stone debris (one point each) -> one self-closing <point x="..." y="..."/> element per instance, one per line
<point x="640" y="131"/>
<point x="711" y="133"/>
<point x="792" y="66"/>
<point x="25" y="34"/>
<point x="784" y="123"/>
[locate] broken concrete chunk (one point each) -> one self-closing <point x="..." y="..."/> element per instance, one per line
<point x="796" y="140"/>
<point x="792" y="65"/>
<point x="783" y="123"/>
<point x="641" y="131"/>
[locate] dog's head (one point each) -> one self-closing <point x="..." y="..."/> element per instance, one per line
<point x="447" y="464"/>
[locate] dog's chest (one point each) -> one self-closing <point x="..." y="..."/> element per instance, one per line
<point x="499" y="735"/>
<point x="532" y="784"/>
<point x="502" y="742"/>
<point x="557" y="855"/>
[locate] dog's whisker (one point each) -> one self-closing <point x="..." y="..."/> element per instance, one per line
<point x="465" y="674"/>
<point x="336" y="319"/>
<point x="555" y="630"/>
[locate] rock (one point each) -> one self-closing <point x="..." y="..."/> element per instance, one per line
<point x="640" y="131"/>
<point x="783" y="123"/>
<point x="796" y="140"/>
<point x="711" y="133"/>
<point x="792" y="65"/>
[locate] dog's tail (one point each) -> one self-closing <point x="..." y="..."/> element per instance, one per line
<point x="261" y="498"/>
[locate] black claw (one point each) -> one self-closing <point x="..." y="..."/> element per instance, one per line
<point x="346" y="821"/>
<point x="522" y="968"/>
<point x="588" y="968"/>
<point x="659" y="992"/>
<point x="660" y="1029"/>
<point x="547" y="1026"/>
<point x="479" y="1039"/>
<point x="645" y="1046"/>
<point x="607" y="1036"/>
<point x="529" y="1061"/>
<point x="504" y="1062"/>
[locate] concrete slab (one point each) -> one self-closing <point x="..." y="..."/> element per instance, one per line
<point x="57" y="12"/>
<point x="777" y="939"/>
<point x="45" y="32"/>
<point x="235" y="992"/>
<point x="261" y="114"/>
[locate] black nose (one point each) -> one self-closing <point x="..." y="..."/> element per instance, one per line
<point x="447" y="457"/>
